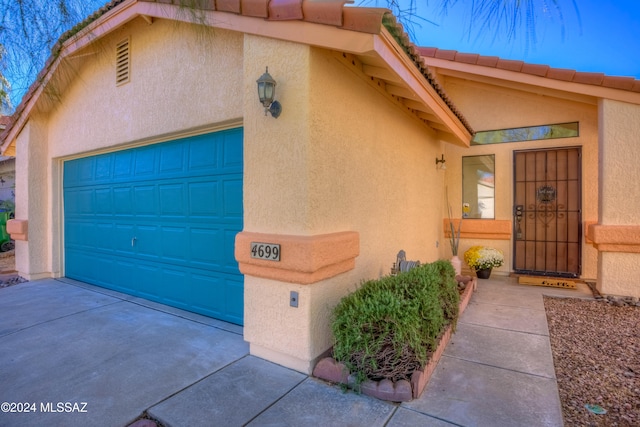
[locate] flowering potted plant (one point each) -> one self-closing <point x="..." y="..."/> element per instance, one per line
<point x="454" y="240"/>
<point x="482" y="259"/>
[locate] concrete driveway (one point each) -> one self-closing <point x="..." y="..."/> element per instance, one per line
<point x="104" y="356"/>
<point x="75" y="355"/>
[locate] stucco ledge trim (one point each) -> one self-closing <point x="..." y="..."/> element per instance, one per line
<point x="303" y="259"/>
<point x="614" y="238"/>
<point x="471" y="228"/>
<point x="17" y="228"/>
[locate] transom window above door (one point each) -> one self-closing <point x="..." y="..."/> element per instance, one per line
<point x="529" y="133"/>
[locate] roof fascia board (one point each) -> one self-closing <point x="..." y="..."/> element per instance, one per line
<point x="102" y="26"/>
<point x="397" y="59"/>
<point x="447" y="67"/>
<point x="508" y="86"/>
<point x="319" y="35"/>
<point x="323" y="36"/>
<point x="95" y="30"/>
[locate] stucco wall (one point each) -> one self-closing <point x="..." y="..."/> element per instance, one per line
<point x="184" y="79"/>
<point x="620" y="124"/>
<point x="491" y="107"/>
<point x="180" y="79"/>
<point x="33" y="186"/>
<point x="620" y="201"/>
<point x="339" y="158"/>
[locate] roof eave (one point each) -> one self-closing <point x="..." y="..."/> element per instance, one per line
<point x="370" y="40"/>
<point x="423" y="90"/>
<point x="582" y="92"/>
<point x="106" y="23"/>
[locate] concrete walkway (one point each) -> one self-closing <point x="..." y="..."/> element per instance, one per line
<point x="77" y="355"/>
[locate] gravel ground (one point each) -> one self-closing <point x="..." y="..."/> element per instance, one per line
<point x="596" y="353"/>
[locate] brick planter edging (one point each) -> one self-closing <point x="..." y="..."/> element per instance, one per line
<point x="329" y="369"/>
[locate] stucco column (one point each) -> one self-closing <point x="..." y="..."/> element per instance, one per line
<point x="276" y="198"/>
<point x="617" y="234"/>
<point x="32" y="200"/>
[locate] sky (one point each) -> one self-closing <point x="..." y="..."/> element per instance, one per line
<point x="601" y="36"/>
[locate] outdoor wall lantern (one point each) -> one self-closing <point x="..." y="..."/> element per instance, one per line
<point x="441" y="160"/>
<point x="266" y="93"/>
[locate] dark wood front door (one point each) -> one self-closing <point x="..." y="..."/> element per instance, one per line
<point x="547" y="212"/>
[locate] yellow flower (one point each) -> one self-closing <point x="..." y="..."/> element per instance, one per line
<point x="481" y="257"/>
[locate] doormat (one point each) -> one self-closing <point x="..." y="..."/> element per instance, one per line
<point x="553" y="282"/>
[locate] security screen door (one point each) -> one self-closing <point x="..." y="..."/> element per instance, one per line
<point x="547" y="212"/>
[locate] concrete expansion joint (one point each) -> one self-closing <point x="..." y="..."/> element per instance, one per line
<point x="492" y="365"/>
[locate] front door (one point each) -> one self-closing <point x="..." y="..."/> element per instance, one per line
<point x="547" y="212"/>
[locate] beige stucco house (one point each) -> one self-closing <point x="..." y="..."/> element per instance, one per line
<point x="7" y="174"/>
<point x="146" y="163"/>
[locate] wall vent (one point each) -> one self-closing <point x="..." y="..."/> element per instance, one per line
<point x="122" y="62"/>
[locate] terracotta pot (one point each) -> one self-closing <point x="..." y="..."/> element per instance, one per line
<point x="483" y="273"/>
<point x="457" y="264"/>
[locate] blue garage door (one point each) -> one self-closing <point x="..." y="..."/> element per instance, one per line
<point x="159" y="222"/>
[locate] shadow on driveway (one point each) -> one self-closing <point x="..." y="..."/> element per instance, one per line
<point x="107" y="356"/>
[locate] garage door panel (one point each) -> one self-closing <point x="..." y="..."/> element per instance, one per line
<point x="174" y="287"/>
<point x="234" y="291"/>
<point x="74" y="234"/>
<point x="232" y="155"/>
<point x="159" y="222"/>
<point x="83" y="235"/>
<point x="145" y="200"/>
<point x="82" y="200"/>
<point x="145" y="276"/>
<point x="124" y="277"/>
<point x="172" y="158"/>
<point x="206" y="247"/>
<point x="212" y="289"/>
<point x="102" y="234"/>
<point x="144" y="162"/>
<point x="148" y="242"/>
<point x="203" y="199"/>
<point x="175" y="244"/>
<point x="203" y="156"/>
<point x="122" y="164"/>
<point x="232" y="198"/>
<point x="88" y="268"/>
<point x="172" y="199"/>
<point x="102" y="168"/>
<point x="122" y="239"/>
<point x="123" y="200"/>
<point x="103" y="201"/>
<point x="85" y="170"/>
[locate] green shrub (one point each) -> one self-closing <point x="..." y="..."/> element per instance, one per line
<point x="388" y="327"/>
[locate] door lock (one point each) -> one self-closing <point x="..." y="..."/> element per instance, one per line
<point x="519" y="211"/>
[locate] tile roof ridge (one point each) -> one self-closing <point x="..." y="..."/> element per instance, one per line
<point x="327" y="12"/>
<point x="582" y="77"/>
<point x="396" y="30"/>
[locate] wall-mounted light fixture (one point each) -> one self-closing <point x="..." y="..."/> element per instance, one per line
<point x="441" y="160"/>
<point x="266" y="93"/>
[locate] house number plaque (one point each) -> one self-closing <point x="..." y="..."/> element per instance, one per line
<point x="268" y="251"/>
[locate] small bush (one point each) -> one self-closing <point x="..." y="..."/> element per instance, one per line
<point x="388" y="327"/>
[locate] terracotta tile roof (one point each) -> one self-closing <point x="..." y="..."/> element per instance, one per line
<point x="4" y="120"/>
<point x="596" y="79"/>
<point x="328" y="12"/>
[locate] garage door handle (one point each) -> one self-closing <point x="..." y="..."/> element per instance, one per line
<point x="133" y="241"/>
